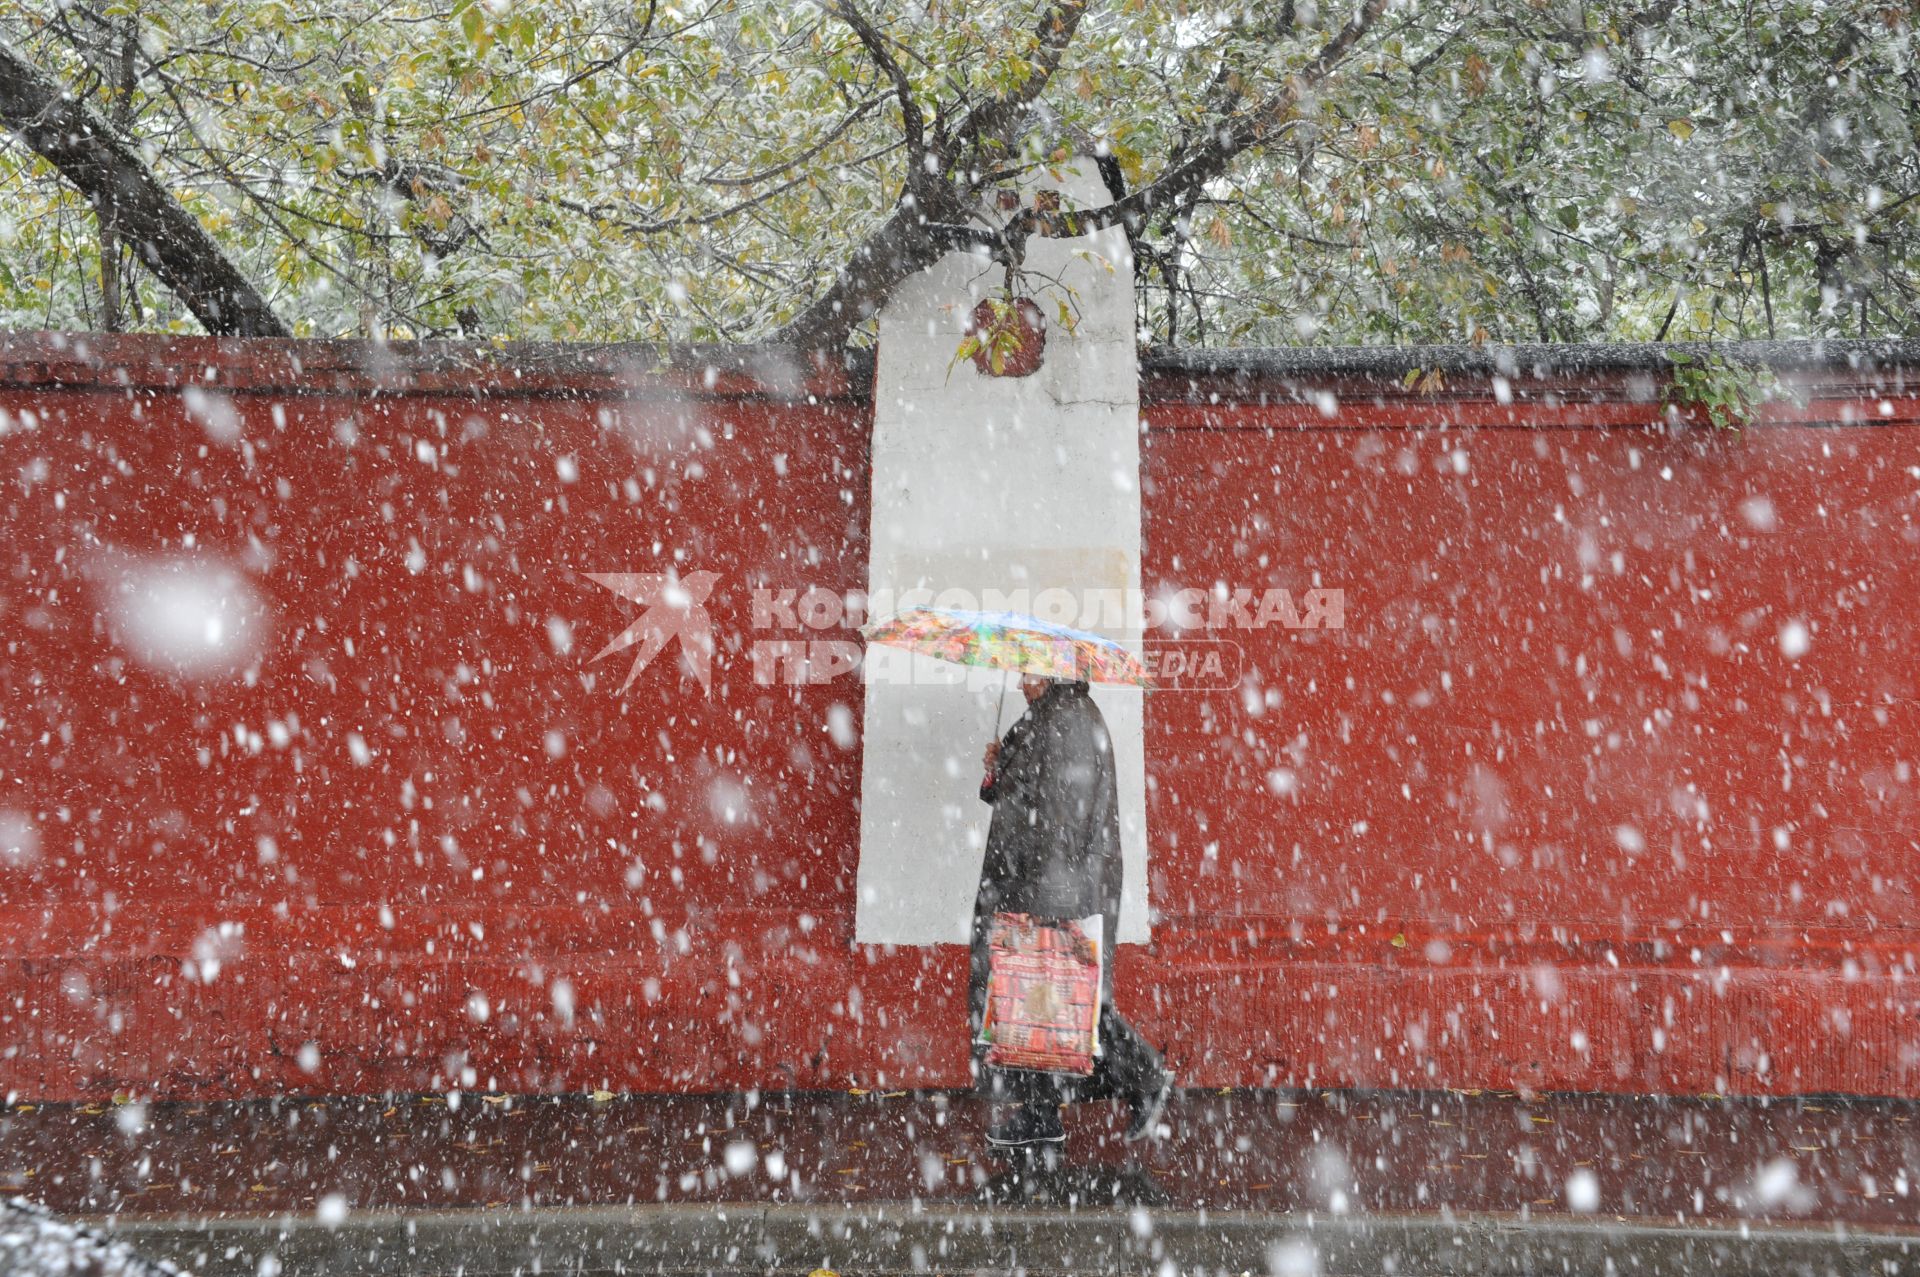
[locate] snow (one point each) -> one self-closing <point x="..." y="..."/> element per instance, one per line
<point x="33" y="1243"/>
<point x="214" y="948"/>
<point x="215" y="414"/>
<point x="1776" y="1186"/>
<point x="840" y="726"/>
<point x="1293" y="1257"/>
<point x="131" y="1118"/>
<point x="729" y="800"/>
<point x="19" y="839"/>
<point x="1331" y="1177"/>
<point x="195" y="616"/>
<point x="1759" y="513"/>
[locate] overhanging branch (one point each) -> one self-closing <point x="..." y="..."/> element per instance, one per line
<point x="994" y="121"/>
<point x="921" y="229"/>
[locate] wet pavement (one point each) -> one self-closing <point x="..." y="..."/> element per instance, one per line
<point x="1436" y="1181"/>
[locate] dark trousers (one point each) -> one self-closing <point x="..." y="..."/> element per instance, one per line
<point x="1127" y="1068"/>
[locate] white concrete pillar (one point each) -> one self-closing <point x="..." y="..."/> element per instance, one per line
<point x="985" y="485"/>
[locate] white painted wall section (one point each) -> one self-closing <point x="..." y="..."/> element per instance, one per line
<point x="987" y="486"/>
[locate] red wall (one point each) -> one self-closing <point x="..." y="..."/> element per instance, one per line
<point x="1563" y="812"/>
<point x="464" y="856"/>
<point x="1485" y="925"/>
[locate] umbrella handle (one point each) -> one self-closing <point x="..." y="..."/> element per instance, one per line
<point x="1000" y="711"/>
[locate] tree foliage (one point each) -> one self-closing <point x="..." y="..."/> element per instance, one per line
<point x="1475" y="170"/>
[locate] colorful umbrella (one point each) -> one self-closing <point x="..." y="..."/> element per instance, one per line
<point x="1010" y="641"/>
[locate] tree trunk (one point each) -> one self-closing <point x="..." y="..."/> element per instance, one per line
<point x="166" y="238"/>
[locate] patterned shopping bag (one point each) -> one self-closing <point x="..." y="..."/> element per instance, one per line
<point x="1043" y="998"/>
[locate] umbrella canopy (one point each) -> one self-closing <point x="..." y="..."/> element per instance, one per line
<point x="1009" y="641"/>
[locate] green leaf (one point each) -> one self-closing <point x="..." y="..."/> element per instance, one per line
<point x="473" y="25"/>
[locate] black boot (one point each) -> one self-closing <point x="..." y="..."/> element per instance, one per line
<point x="1148" y="1106"/>
<point x="1032" y="1126"/>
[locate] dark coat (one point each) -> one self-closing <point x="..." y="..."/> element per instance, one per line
<point x="1053" y="848"/>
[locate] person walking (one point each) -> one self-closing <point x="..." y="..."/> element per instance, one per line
<point x="1053" y="852"/>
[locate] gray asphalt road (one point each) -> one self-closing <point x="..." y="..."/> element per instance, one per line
<point x="686" y="1239"/>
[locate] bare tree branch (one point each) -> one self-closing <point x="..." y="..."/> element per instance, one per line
<point x="165" y="237"/>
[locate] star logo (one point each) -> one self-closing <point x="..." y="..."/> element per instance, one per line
<point x="673" y="606"/>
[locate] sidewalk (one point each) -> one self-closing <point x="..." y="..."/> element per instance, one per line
<point x="1324" y="1182"/>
